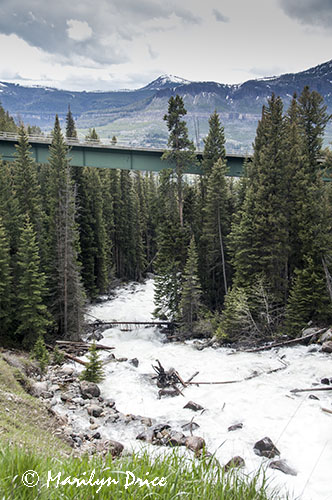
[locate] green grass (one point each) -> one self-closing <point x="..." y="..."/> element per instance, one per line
<point x="183" y="479"/>
<point x="24" y="420"/>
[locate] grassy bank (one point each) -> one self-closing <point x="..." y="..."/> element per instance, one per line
<point x="168" y="478"/>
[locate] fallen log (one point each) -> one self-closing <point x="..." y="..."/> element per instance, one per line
<point x="69" y="356"/>
<point x="286" y="342"/>
<point x="327" y="410"/>
<point x="83" y="345"/>
<point x="191" y="378"/>
<point x="311" y="389"/>
<point x="254" y="375"/>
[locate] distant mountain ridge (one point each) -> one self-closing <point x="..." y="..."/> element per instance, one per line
<point x="136" y="116"/>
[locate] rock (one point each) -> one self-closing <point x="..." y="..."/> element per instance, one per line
<point x="95" y="336"/>
<point x="283" y="466"/>
<point x="89" y="390"/>
<point x="190" y="426"/>
<point x="66" y="397"/>
<point x="235" y="427"/>
<point x="37" y="388"/>
<point x="121" y="360"/>
<point x="96" y="435"/>
<point x="134" y="362"/>
<point x="27" y="366"/>
<point x="110" y="403"/>
<point x="146" y="421"/>
<point x="327" y="346"/>
<point x="325" y="381"/>
<point x="67" y="370"/>
<point x="46" y="395"/>
<point x="54" y="388"/>
<point x="114" y="447"/>
<point x="195" y="443"/>
<point x="265" y="448"/>
<point x="235" y="462"/>
<point x="312" y="396"/>
<point x="160" y="427"/>
<point x="174" y="438"/>
<point x="146" y="435"/>
<point x="78" y="401"/>
<point x="93" y="427"/>
<point x="95" y="410"/>
<point x="191" y="405"/>
<point x="325" y="337"/>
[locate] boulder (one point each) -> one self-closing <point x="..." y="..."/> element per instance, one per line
<point x="191" y="405"/>
<point x="147" y="436"/>
<point x="95" y="336"/>
<point x="325" y="381"/>
<point x="327" y="346"/>
<point x="134" y="362"/>
<point x="195" y="443"/>
<point x="67" y="370"/>
<point x="37" y="388"/>
<point x="95" y="410"/>
<point x="190" y="426"/>
<point x="325" y="337"/>
<point x="235" y="462"/>
<point x="283" y="467"/>
<point x="265" y="448"/>
<point x="89" y="390"/>
<point x="174" y="438"/>
<point x="235" y="427"/>
<point x="114" y="447"/>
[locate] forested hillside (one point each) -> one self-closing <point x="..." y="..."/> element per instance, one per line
<point x="237" y="259"/>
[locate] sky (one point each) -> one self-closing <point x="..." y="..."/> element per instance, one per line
<point x="115" y="44"/>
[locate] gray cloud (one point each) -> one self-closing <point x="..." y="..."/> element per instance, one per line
<point x="45" y="25"/>
<point x="309" y="12"/>
<point x="220" y="17"/>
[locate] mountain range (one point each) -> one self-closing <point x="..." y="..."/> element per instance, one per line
<point x="135" y="117"/>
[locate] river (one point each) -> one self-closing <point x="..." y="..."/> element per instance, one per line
<point x="264" y="405"/>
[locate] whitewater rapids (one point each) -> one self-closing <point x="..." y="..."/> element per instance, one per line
<point x="296" y="423"/>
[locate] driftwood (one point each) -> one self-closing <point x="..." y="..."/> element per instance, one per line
<point x="311" y="389"/>
<point x="254" y="375"/>
<point x="191" y="378"/>
<point x="287" y="342"/>
<point x="327" y="410"/>
<point x="69" y="356"/>
<point x="82" y="345"/>
<point x="166" y="378"/>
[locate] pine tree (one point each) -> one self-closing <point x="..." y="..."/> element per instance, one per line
<point x="7" y="122"/>
<point x="31" y="313"/>
<point x="66" y="290"/>
<point x="214" y="144"/>
<point x="92" y="135"/>
<point x="181" y="149"/>
<point x="93" y="372"/>
<point x="308" y="299"/>
<point x="27" y="188"/>
<point x="40" y="353"/>
<point x="71" y="132"/>
<point x="172" y="244"/>
<point x="190" y="304"/>
<point x="5" y="283"/>
<point x="215" y="230"/>
<point x="114" y="140"/>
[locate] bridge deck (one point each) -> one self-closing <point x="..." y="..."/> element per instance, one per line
<point x="96" y="154"/>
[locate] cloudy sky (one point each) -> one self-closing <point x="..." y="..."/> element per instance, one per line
<point x="113" y="44"/>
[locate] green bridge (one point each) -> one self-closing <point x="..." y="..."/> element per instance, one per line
<point x="96" y="154"/>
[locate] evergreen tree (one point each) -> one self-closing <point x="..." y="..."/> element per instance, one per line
<point x="71" y="132"/>
<point x="114" y="140"/>
<point x="308" y="299"/>
<point x="25" y="184"/>
<point x="190" y="303"/>
<point x="215" y="231"/>
<point x="7" y="122"/>
<point x="92" y="135"/>
<point x="40" y="353"/>
<point x="214" y="144"/>
<point x="31" y="313"/>
<point x="172" y="243"/>
<point x="5" y="283"/>
<point x="181" y="149"/>
<point x="93" y="372"/>
<point x="65" y="285"/>
<point x="313" y="119"/>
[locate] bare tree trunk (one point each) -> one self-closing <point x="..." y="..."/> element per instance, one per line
<point x="328" y="277"/>
<point x="222" y="252"/>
